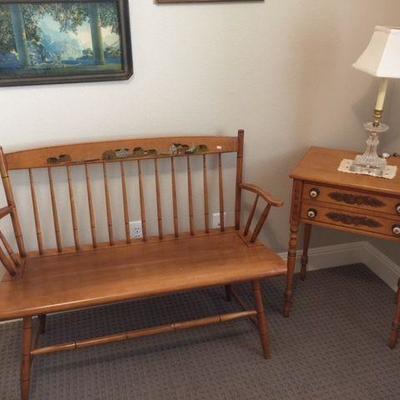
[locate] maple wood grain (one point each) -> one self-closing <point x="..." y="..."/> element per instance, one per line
<point x="102" y="276"/>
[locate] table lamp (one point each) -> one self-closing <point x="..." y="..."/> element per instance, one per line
<point x="382" y="60"/>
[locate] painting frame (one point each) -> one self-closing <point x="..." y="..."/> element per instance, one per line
<point x="125" y="45"/>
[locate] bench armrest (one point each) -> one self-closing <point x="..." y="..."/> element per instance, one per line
<point x="260" y="223"/>
<point x="262" y="193"/>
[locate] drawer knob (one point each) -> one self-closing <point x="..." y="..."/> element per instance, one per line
<point x="398" y="209"/>
<point x="314" y="193"/>
<point x="396" y="230"/>
<point x="312" y="213"/>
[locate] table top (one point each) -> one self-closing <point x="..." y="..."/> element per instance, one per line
<point x="320" y="165"/>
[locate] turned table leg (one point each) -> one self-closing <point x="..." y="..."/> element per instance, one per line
<point x="294" y="230"/>
<point x="396" y="322"/>
<point x="306" y="245"/>
<point x="26" y="358"/>
<point x="262" y="320"/>
<point x="291" y="265"/>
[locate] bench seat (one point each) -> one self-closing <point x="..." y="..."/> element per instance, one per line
<point x="65" y="282"/>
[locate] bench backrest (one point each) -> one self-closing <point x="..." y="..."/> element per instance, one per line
<point x="152" y="162"/>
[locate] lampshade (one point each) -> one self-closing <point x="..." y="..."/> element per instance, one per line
<point x="382" y="56"/>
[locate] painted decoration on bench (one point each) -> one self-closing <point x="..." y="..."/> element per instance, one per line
<point x="181" y="149"/>
<point x="176" y="149"/>
<point x="64" y="41"/>
<point x="61" y="159"/>
<point x="126" y="153"/>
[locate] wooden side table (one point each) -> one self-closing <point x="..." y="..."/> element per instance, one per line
<point x="325" y="197"/>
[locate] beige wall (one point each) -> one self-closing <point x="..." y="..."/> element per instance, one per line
<point x="279" y="69"/>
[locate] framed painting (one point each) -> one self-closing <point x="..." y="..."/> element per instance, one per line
<point x="64" y="41"/>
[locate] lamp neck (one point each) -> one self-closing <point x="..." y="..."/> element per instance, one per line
<point x="380" y="102"/>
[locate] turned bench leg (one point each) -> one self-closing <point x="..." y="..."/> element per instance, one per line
<point x="396" y="323"/>
<point x="26" y="358"/>
<point x="262" y="320"/>
<point x="42" y="323"/>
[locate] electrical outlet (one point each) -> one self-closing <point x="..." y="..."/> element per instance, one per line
<point x="216" y="220"/>
<point x="135" y="228"/>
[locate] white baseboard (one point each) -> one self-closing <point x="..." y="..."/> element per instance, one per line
<point x="352" y="253"/>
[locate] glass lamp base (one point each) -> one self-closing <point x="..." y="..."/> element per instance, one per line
<point x="378" y="168"/>
<point x="370" y="163"/>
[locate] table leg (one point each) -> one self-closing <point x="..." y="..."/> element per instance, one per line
<point x="291" y="265"/>
<point x="294" y="229"/>
<point x="396" y="323"/>
<point x="306" y="245"/>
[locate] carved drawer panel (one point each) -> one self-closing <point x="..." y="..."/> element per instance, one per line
<point x="345" y="217"/>
<point x="360" y="200"/>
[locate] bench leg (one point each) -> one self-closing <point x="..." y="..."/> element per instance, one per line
<point x="42" y="323"/>
<point x="228" y="292"/>
<point x="26" y="358"/>
<point x="396" y="323"/>
<point x="262" y="320"/>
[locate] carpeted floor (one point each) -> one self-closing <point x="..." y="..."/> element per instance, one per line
<point x="332" y="347"/>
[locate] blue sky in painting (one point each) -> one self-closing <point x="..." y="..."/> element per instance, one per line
<point x="71" y="44"/>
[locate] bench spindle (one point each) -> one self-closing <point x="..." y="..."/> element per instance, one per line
<point x="91" y="207"/>
<point x="260" y="223"/>
<point x="142" y="204"/>
<point x="251" y="216"/>
<point x="174" y="200"/>
<point x="221" y="194"/>
<point x="125" y="203"/>
<point x="73" y="210"/>
<point x="205" y="186"/>
<point x="190" y="196"/>
<point x="55" y="211"/>
<point x="239" y="178"/>
<point x="9" y="249"/>
<point x="158" y="194"/>
<point x="7" y="262"/>
<point x="108" y="206"/>
<point x="36" y="214"/>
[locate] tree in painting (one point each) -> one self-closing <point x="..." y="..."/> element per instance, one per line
<point x="26" y="37"/>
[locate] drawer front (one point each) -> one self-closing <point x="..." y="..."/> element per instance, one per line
<point x="359" y="200"/>
<point x="347" y="218"/>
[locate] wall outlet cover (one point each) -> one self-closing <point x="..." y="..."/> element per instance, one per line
<point x="135" y="228"/>
<point x="216" y="221"/>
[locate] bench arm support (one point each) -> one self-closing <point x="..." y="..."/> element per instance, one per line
<point x="271" y="202"/>
<point x="262" y="193"/>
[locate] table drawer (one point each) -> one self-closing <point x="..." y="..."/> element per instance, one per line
<point x="359" y="200"/>
<point x="346" y="217"/>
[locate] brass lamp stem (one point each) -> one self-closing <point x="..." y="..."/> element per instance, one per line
<point x="380" y="102"/>
<point x="378" y="115"/>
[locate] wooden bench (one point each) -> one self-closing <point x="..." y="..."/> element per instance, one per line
<point x="41" y="281"/>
